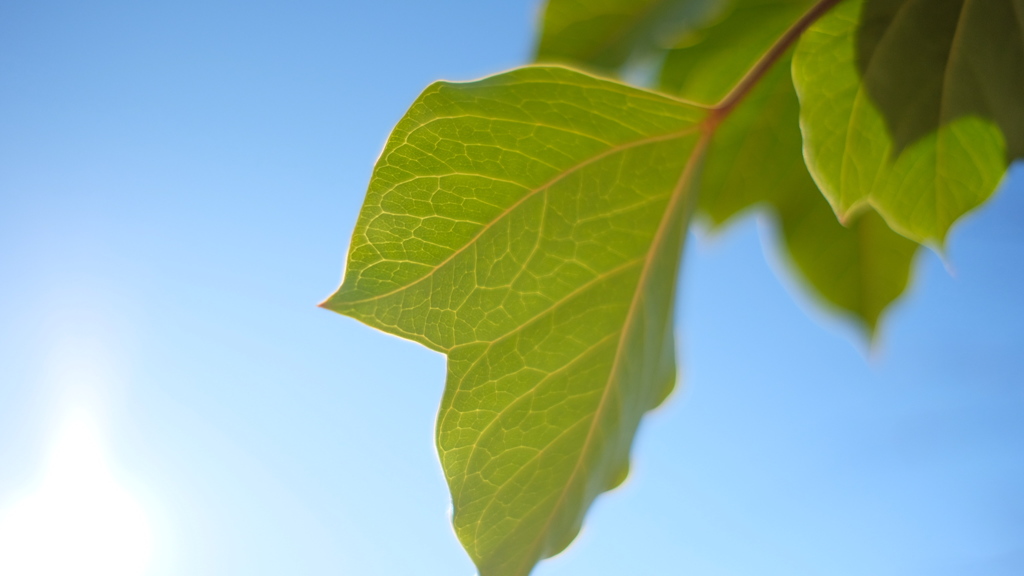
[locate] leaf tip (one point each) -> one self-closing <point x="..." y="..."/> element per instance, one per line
<point x="326" y="303"/>
<point x="848" y="215"/>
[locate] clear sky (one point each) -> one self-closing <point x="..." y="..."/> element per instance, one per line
<point x="178" y="183"/>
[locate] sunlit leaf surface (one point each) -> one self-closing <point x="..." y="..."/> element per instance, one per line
<point x="530" y="225"/>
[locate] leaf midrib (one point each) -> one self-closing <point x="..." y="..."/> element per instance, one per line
<point x="529" y="322"/>
<point x="678" y="194"/>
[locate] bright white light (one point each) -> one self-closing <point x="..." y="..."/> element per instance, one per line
<point x="80" y="521"/>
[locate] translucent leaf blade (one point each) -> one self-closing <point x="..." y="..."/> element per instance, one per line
<point x="530" y="226"/>
<point x="921" y="187"/>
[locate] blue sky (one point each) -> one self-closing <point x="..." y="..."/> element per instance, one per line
<point x="178" y="182"/>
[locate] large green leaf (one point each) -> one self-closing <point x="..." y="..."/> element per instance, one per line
<point x="922" y="184"/>
<point x="605" y="34"/>
<point x="755" y="159"/>
<point x="530" y="226"/>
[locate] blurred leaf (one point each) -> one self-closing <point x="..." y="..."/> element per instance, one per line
<point x="716" y="58"/>
<point x="860" y="268"/>
<point x="920" y="189"/>
<point x="603" y="35"/>
<point x="755" y="158"/>
<point x="926" y="63"/>
<point x="530" y="226"/>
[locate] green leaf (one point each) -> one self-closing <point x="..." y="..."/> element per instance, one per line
<point x="755" y="159"/>
<point x="604" y="34"/>
<point x="530" y="226"/>
<point x="860" y="268"/>
<point x="714" y="59"/>
<point x="926" y="63"/>
<point x="921" y="187"/>
<point x="755" y="156"/>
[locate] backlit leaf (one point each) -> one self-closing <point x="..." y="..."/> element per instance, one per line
<point x="925" y="181"/>
<point x="530" y="225"/>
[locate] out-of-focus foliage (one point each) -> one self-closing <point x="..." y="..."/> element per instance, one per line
<point x="603" y="35"/>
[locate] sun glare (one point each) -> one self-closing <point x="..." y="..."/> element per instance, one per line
<point x="79" y="521"/>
